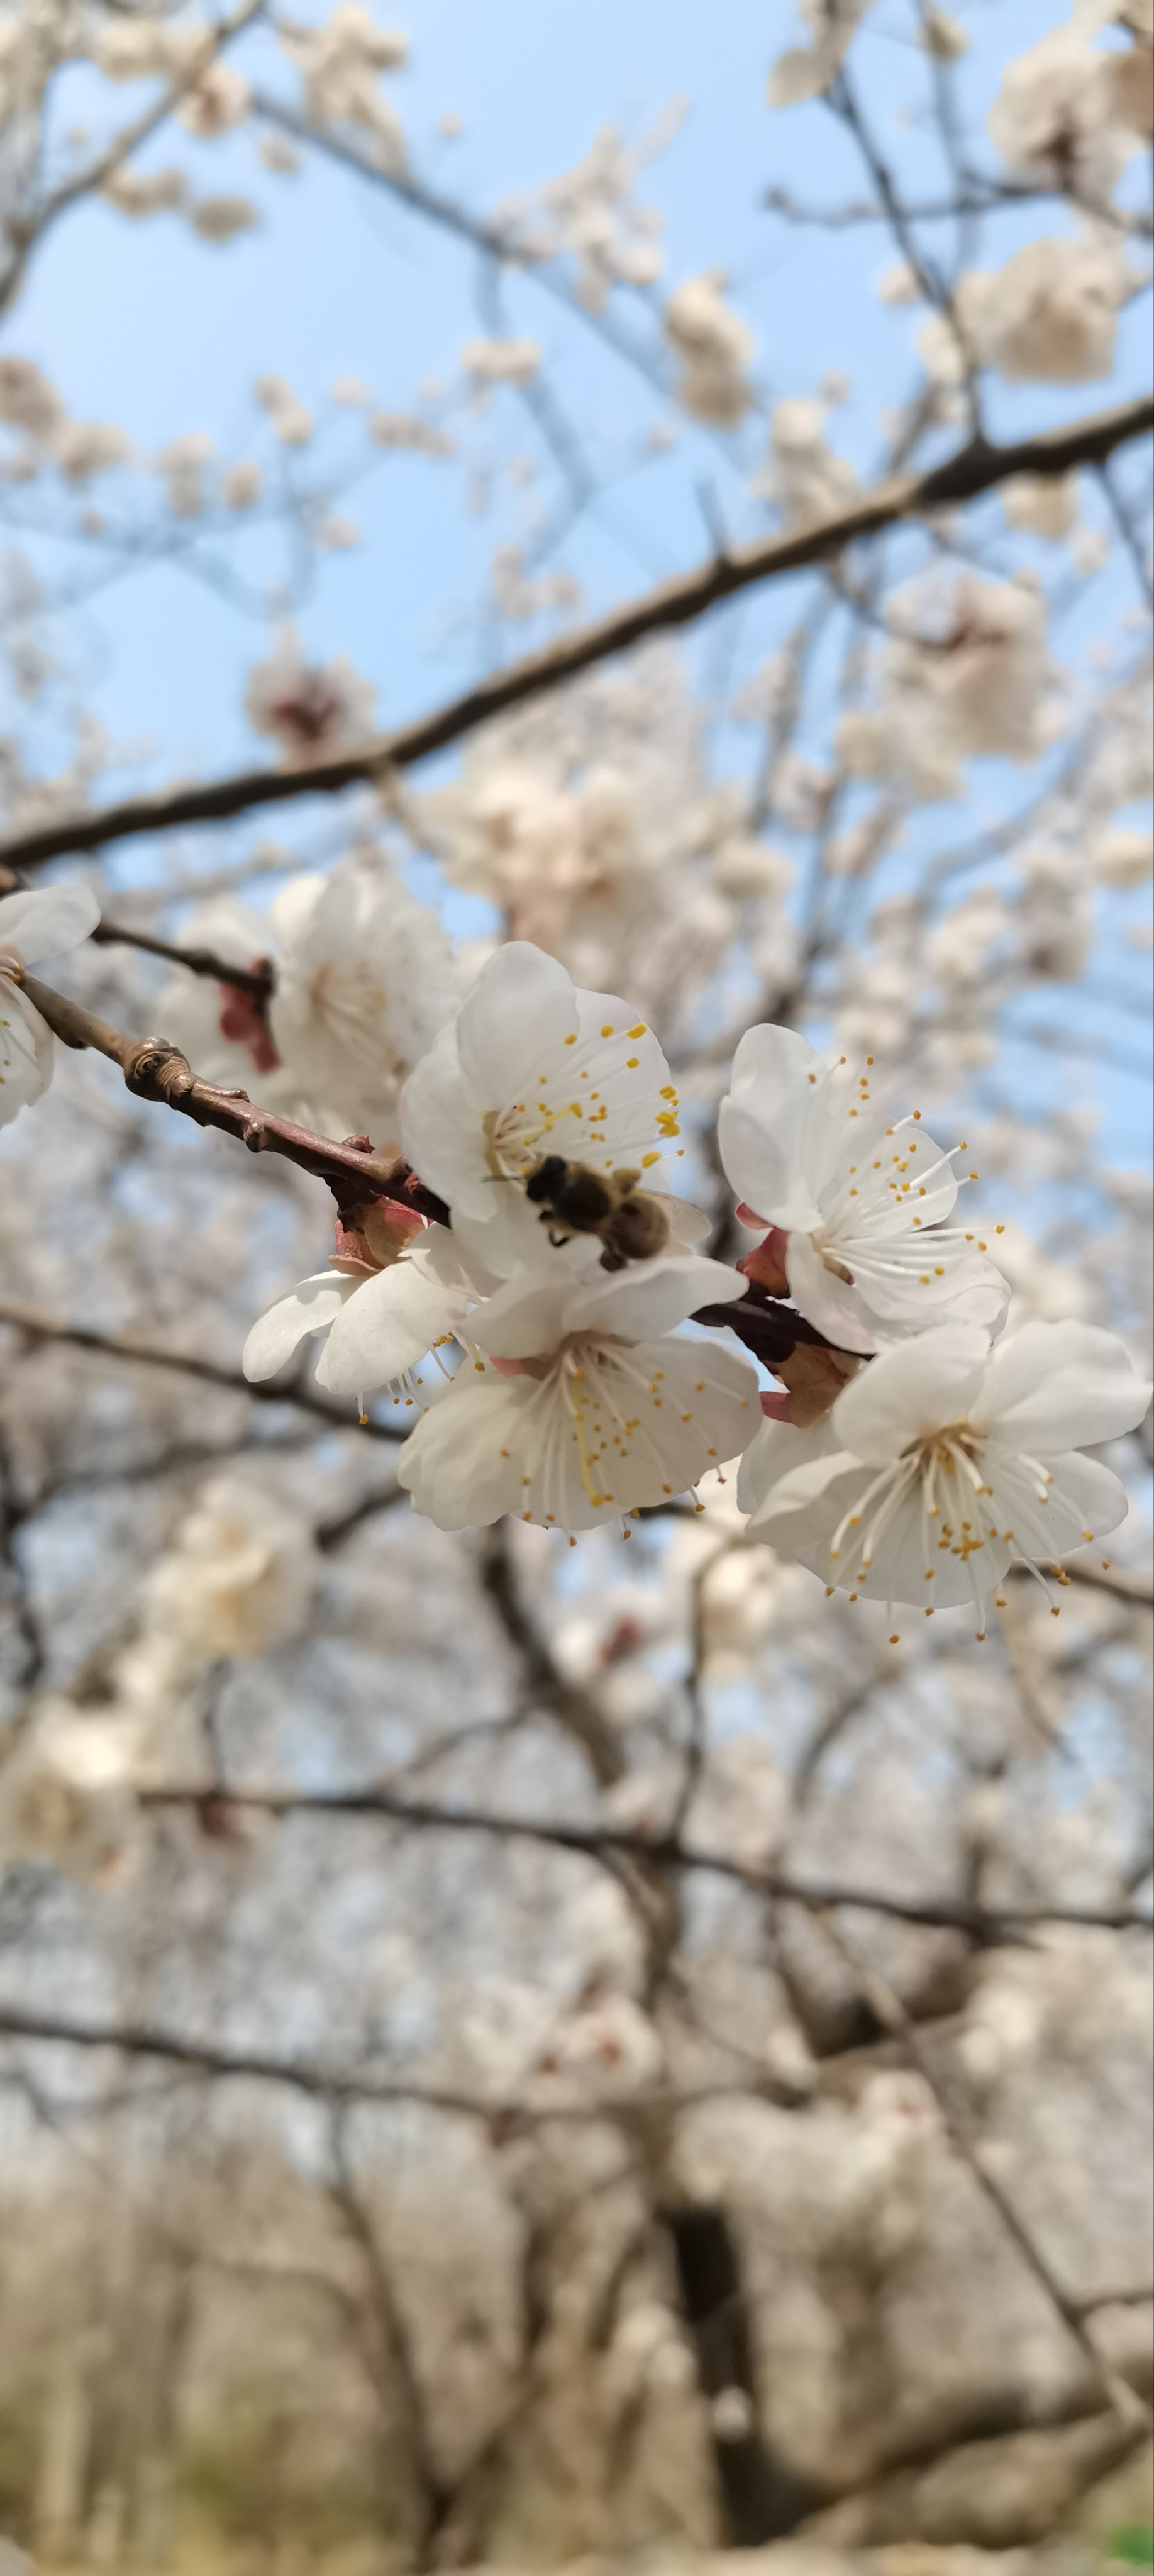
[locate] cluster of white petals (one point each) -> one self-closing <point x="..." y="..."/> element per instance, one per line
<point x="1050" y="316"/>
<point x="965" y="675"/>
<point x="714" y="348"/>
<point x="801" y="473"/>
<point x="363" y="981"/>
<point x="1069" y="114"/>
<point x="944" y="1463"/>
<point x="309" y="709"/>
<point x="340" y="62"/>
<point x="590" y="214"/>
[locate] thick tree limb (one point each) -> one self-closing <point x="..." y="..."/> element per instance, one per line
<point x="977" y="468"/>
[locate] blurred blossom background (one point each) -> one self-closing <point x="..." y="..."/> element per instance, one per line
<point x="407" y="2168"/>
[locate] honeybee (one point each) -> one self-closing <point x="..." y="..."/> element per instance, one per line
<point x="574" y="1199"/>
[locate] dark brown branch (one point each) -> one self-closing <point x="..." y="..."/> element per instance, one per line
<point x="665" y="1851"/>
<point x="977" y="468"/>
<point x="155" y="1070"/>
<point x="126" y="1346"/>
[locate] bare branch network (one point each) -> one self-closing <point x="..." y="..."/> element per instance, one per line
<point x="977" y="468"/>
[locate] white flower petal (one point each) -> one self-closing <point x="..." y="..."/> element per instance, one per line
<point x="827" y="1301"/>
<point x="525" y="1316"/>
<point x="27" y="1052"/>
<point x="386" y="1327"/>
<point x="651" y="1297"/>
<point x="910" y="1392"/>
<point x="519" y="1012"/>
<point x="1059" y="1386"/>
<point x="44" y="921"/>
<point x="310" y="1308"/>
<point x="459" y="1464"/>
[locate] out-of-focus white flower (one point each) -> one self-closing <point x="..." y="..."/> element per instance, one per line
<point x="394" y="1290"/>
<point x="241" y="486"/>
<point x="292" y="424"/>
<point x="715" y="348"/>
<point x="1045" y="504"/>
<point x="591" y="1408"/>
<point x="221" y="98"/>
<point x="66" y="1789"/>
<point x="40" y="922"/>
<point x="139" y="193"/>
<point x="238" y="1579"/>
<point x="501" y="362"/>
<point x="396" y="429"/>
<point x="363" y="982"/>
<point x="349" y="391"/>
<point x="1123" y="856"/>
<point x="279" y="155"/>
<point x="1056" y="916"/>
<point x="855" y="1203"/>
<point x="83" y="448"/>
<point x="944" y="1463"/>
<point x="805" y="71"/>
<point x="590" y="213"/>
<point x="532" y="1066"/>
<point x="1069" y="117"/>
<point x="1050" y="316"/>
<point x="220" y="219"/>
<point x="338" y="534"/>
<point x="363" y="985"/>
<point x="340" y="63"/>
<point x="966" y="678"/>
<point x="27" y="400"/>
<point x="183" y="463"/>
<point x="802" y="474"/>
<point x="898" y="285"/>
<point x="310" y="709"/>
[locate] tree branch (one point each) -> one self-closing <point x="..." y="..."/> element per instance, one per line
<point x="666" y="1851"/>
<point x="977" y="468"/>
<point x="126" y="1346"/>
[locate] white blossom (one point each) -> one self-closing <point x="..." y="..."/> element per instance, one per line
<point x="802" y="474"/>
<point x="309" y="709"/>
<point x="39" y="922"/>
<point x="1067" y="116"/>
<point x="805" y="71"/>
<point x="292" y="424"/>
<point x="240" y="486"/>
<point x="183" y="463"/>
<point x="501" y="362"/>
<point x="140" y="193"/>
<point x="363" y="981"/>
<point x="532" y="1066"/>
<point x="27" y="399"/>
<point x="220" y="219"/>
<point x="583" y="1404"/>
<point x="340" y="63"/>
<point x="66" y="1789"/>
<point x="1050" y="316"/>
<point x="221" y="98"/>
<point x="394" y="1290"/>
<point x="1123" y="856"/>
<point x="238" y="1579"/>
<point x="855" y="1202"/>
<point x="944" y="1463"/>
<point x="83" y="448"/>
<point x="715" y="348"/>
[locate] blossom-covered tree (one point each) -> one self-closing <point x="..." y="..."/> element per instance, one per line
<point x="664" y="2019"/>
